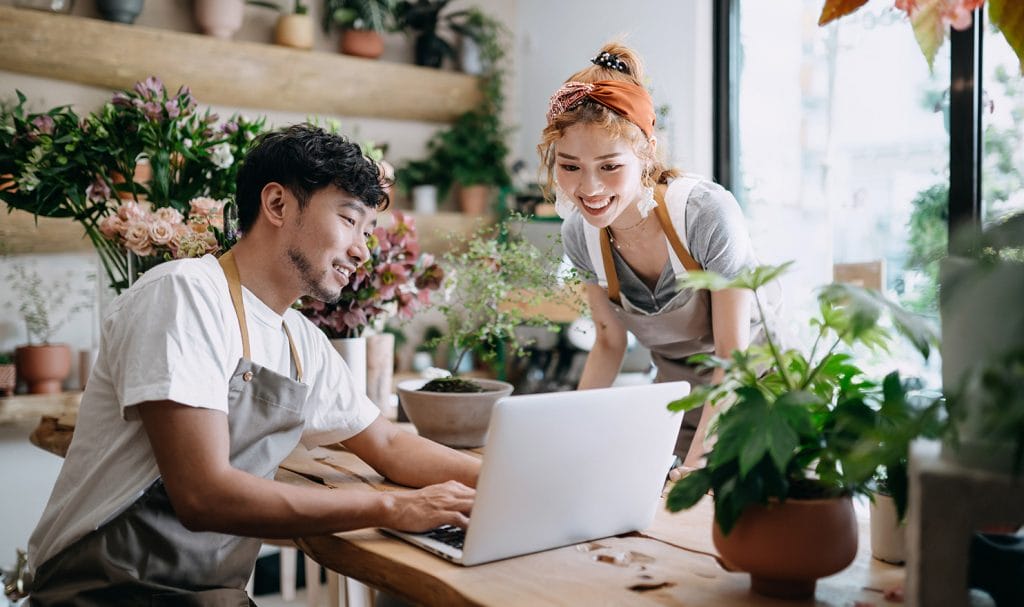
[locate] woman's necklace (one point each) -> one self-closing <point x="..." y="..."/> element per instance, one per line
<point x="620" y="244"/>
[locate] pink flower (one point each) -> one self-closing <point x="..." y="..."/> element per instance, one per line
<point x="150" y="88"/>
<point x="161" y="232"/>
<point x="168" y="214"/>
<point x="44" y="124"/>
<point x="136" y="238"/>
<point x="129" y="211"/>
<point x="111" y="226"/>
<point x="98" y="191"/>
<point x="204" y="206"/>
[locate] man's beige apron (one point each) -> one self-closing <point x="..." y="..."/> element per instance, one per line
<point x="144" y="556"/>
<point x="680" y="328"/>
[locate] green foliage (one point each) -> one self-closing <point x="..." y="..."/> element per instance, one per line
<point x="493" y="283"/>
<point x="6" y="358"/>
<point x="801" y="425"/>
<point x="372" y="15"/>
<point x="45" y="305"/>
<point x="57" y="164"/>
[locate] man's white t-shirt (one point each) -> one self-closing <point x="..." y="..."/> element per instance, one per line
<point x="175" y="336"/>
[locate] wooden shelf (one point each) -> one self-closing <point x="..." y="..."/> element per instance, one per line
<point x="225" y="72"/>
<point x="30" y="407"/>
<point x="22" y="235"/>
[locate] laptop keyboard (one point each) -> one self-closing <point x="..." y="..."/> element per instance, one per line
<point x="448" y="534"/>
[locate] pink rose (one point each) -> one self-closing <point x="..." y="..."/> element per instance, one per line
<point x="130" y="211"/>
<point x="204" y="206"/>
<point x="136" y="238"/>
<point x="111" y="226"/>
<point x="168" y="214"/>
<point x="161" y="232"/>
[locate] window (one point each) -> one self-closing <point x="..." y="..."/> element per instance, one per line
<point x="840" y="155"/>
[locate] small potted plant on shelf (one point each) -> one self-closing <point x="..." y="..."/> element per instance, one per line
<point x="423" y="17"/>
<point x="789" y="447"/>
<point x="475" y="152"/>
<point x="495" y="282"/>
<point x="425" y="181"/>
<point x="482" y="40"/>
<point x="46" y="305"/>
<point x="362" y="22"/>
<point x="293" y="29"/>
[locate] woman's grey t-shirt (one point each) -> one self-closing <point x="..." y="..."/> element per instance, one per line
<point x="716" y="236"/>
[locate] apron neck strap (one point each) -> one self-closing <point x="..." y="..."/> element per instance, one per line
<point x="661" y="211"/>
<point x="227" y="263"/>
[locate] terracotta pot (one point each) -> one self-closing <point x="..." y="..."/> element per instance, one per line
<point x="474" y="199"/>
<point x="362" y="43"/>
<point x="787" y="546"/>
<point x="43" y="367"/>
<point x="888" y="535"/>
<point x="219" y="18"/>
<point x="455" y="419"/>
<point x="295" y="31"/>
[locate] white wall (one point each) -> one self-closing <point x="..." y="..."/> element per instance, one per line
<point x="674" y="39"/>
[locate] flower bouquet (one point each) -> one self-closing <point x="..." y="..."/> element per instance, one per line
<point x="57" y="164"/>
<point x="394" y="282"/>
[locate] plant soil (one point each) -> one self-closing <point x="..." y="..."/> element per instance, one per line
<point x="451" y="384"/>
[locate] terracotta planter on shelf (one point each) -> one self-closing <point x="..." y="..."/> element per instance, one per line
<point x="43" y="367"/>
<point x="295" y="31"/>
<point x="362" y="43"/>
<point x="474" y="200"/>
<point x="787" y="546"/>
<point x="455" y="419"/>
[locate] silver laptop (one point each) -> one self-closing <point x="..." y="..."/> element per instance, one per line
<point x="562" y="468"/>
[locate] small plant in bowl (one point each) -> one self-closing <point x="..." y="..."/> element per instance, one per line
<point x="494" y="282"/>
<point x="793" y="436"/>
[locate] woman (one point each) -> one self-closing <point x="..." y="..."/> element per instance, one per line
<point x="599" y="151"/>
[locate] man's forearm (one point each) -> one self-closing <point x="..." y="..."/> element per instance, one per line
<point x="422" y="462"/>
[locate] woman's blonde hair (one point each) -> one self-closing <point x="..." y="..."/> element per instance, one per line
<point x="590" y="112"/>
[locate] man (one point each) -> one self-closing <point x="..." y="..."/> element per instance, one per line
<point x="206" y="380"/>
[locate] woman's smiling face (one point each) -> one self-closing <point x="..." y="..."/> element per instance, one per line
<point x="601" y="174"/>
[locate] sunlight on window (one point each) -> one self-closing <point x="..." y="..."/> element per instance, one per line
<point x="1003" y="127"/>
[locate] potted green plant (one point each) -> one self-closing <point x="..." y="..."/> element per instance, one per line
<point x="45" y="306"/>
<point x="983" y="347"/>
<point x="293" y="28"/>
<point x="494" y="282"/>
<point x="475" y="152"/>
<point x="482" y="40"/>
<point x="422" y="17"/>
<point x="362" y="22"/>
<point x="425" y="181"/>
<point x="789" y="448"/>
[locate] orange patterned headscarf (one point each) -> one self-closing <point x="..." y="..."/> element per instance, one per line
<point x="629" y="100"/>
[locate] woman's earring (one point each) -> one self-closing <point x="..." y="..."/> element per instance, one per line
<point x="646" y="203"/>
<point x="563" y="206"/>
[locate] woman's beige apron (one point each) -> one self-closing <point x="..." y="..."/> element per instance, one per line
<point x="681" y="327"/>
<point x="144" y="556"/>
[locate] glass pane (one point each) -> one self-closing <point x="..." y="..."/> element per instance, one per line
<point x="843" y="153"/>
<point x="1002" y="185"/>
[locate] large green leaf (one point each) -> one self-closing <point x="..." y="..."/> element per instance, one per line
<point x="1008" y="16"/>
<point x="689" y="490"/>
<point x="750" y="278"/>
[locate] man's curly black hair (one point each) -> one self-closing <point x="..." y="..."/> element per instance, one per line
<point x="305" y="158"/>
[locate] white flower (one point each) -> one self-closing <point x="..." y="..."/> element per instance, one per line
<point x="220" y="155"/>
